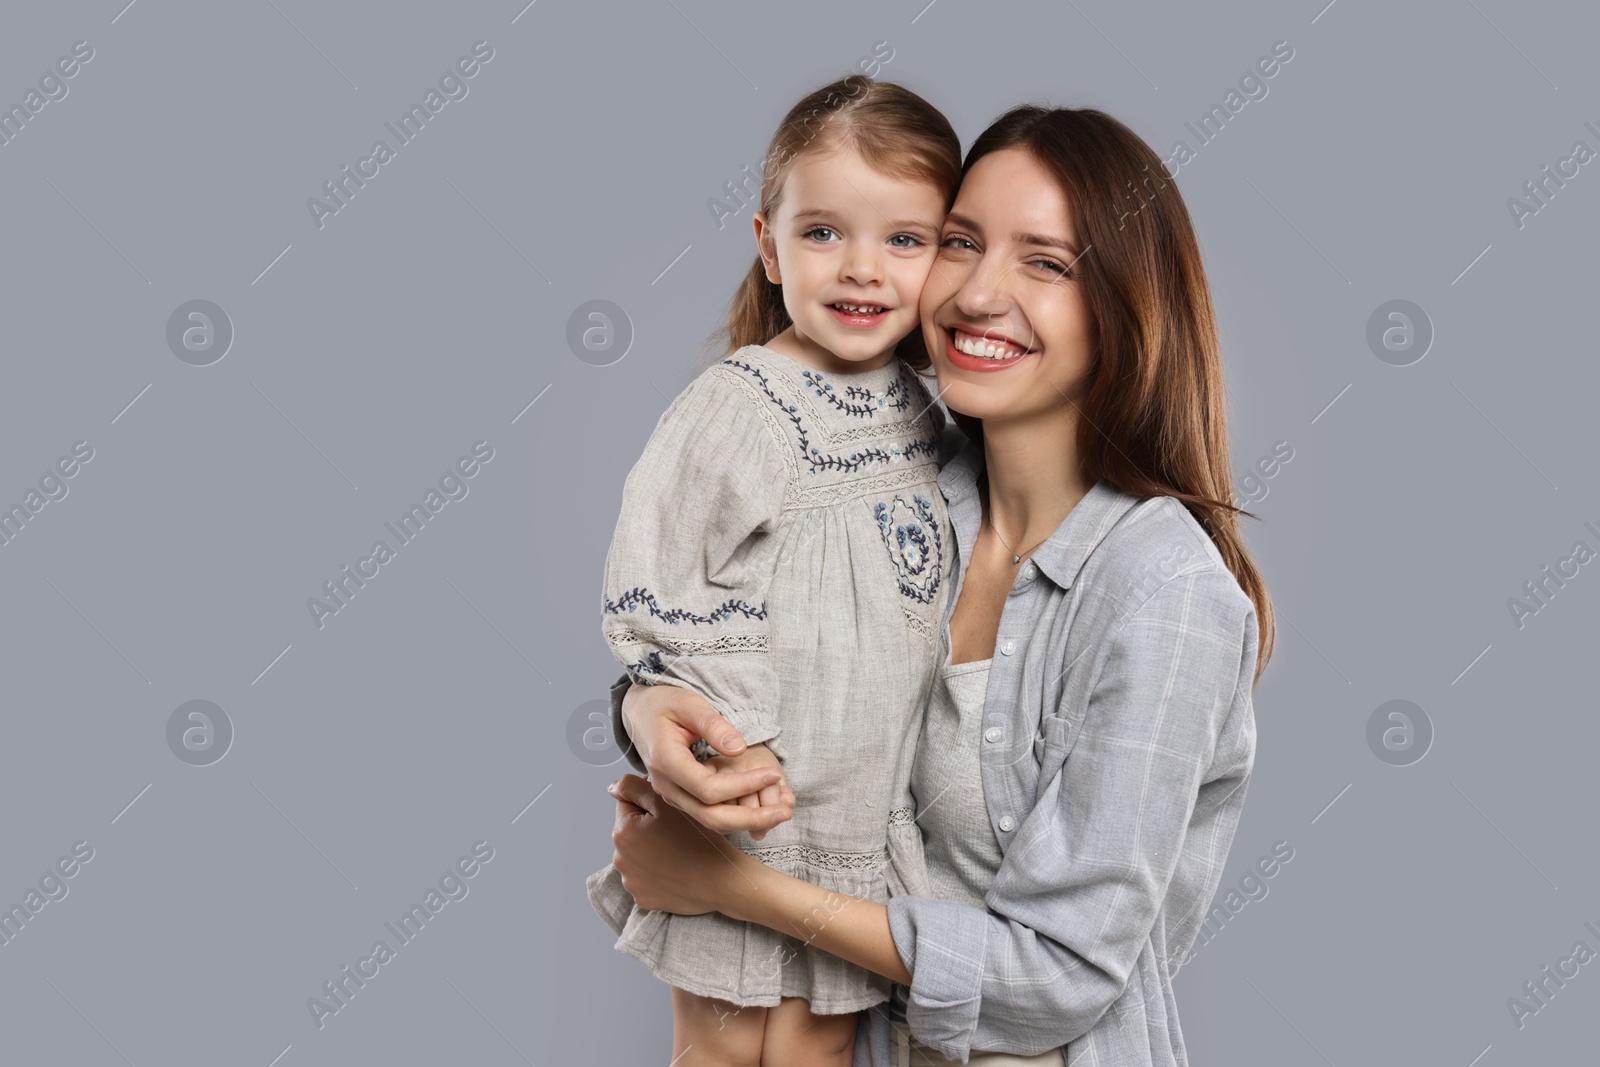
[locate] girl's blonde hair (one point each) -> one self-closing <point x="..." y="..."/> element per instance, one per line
<point x="896" y="131"/>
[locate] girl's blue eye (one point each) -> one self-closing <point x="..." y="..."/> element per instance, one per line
<point x="817" y="229"/>
<point x="909" y="237"/>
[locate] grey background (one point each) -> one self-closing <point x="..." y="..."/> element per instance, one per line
<point x="433" y="711"/>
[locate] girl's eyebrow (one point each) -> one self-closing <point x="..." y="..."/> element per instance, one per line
<point x="1035" y="239"/>
<point x="817" y="214"/>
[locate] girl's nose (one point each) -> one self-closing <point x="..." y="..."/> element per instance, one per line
<point x="862" y="267"/>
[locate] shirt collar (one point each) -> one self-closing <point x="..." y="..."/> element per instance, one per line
<point x="1063" y="553"/>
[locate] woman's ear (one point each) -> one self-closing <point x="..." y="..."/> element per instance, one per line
<point x="767" y="246"/>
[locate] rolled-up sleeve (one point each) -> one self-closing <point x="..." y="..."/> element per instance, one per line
<point x="1161" y="756"/>
<point x="619" y="725"/>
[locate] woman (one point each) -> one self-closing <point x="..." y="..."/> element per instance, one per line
<point x="1078" y="805"/>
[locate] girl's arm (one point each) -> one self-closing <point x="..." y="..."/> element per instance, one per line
<point x="684" y="592"/>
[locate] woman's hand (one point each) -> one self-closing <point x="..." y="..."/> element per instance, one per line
<point x="663" y="721"/>
<point x="670" y="864"/>
<point x="665" y="860"/>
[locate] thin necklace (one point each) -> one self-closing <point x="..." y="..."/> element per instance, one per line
<point x="1015" y="558"/>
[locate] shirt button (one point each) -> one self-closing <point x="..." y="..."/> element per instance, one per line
<point x="1007" y="823"/>
<point x="1007" y="647"/>
<point x="993" y="734"/>
<point x="1028" y="572"/>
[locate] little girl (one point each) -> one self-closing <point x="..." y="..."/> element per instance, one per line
<point x="781" y="550"/>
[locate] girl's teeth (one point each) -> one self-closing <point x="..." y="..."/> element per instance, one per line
<point x="974" y="346"/>
<point x="858" y="309"/>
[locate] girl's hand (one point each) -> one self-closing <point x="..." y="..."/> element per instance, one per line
<point x="665" y="860"/>
<point x="755" y="757"/>
<point x="663" y="721"/>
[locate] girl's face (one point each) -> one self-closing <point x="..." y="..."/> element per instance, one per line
<point x="1003" y="315"/>
<point x="851" y="248"/>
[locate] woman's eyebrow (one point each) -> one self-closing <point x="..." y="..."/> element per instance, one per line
<point x="1035" y="239"/>
<point x="955" y="219"/>
<point x="1041" y="241"/>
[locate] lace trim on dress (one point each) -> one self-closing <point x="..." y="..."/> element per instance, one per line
<point x="822" y="495"/>
<point x="920" y="626"/>
<point x="622" y="638"/>
<point x="821" y="858"/>
<point x="902" y="816"/>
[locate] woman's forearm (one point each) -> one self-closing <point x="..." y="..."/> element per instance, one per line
<point x="848" y="927"/>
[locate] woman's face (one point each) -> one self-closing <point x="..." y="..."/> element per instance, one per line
<point x="1003" y="314"/>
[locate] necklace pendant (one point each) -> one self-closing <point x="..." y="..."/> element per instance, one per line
<point x="1016" y="559"/>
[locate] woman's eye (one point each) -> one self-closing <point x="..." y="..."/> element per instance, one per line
<point x="956" y="242"/>
<point x="910" y="240"/>
<point x="817" y="230"/>
<point x="1054" y="267"/>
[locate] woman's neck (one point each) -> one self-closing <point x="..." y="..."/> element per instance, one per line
<point x="1034" y="476"/>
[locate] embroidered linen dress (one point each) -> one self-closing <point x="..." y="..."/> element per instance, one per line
<point x="781" y="551"/>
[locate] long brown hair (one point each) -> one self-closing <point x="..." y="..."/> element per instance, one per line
<point x="896" y="131"/>
<point x="1153" y="419"/>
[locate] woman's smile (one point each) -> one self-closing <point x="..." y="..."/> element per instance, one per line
<point x="982" y="350"/>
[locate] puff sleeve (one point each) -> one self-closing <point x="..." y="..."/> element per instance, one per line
<point x="686" y="576"/>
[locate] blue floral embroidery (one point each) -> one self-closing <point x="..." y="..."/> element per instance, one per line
<point x="651" y="664"/>
<point x="631" y="600"/>
<point x="858" y="400"/>
<point x="815" y="457"/>
<point x="916" y="546"/>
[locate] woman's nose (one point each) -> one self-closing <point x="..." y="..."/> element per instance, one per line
<point x="984" y="291"/>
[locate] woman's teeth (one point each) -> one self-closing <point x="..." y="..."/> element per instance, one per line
<point x="977" y="346"/>
<point x="859" y="309"/>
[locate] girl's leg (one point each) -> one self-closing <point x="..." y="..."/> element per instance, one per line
<point x="707" y="1032"/>
<point x="797" y="1038"/>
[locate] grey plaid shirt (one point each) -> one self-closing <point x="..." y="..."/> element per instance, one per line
<point x="1119" y="735"/>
